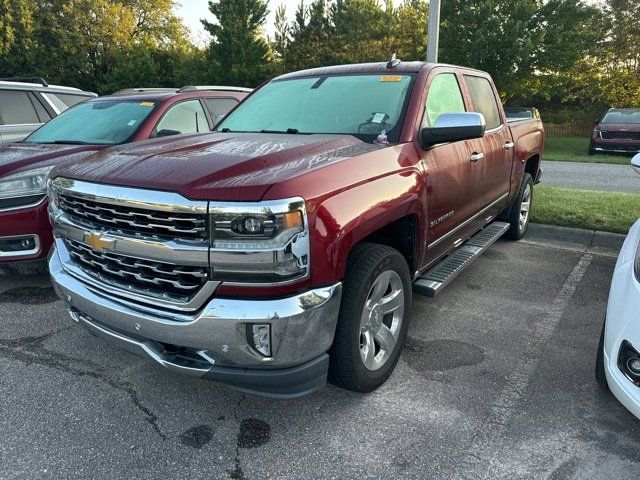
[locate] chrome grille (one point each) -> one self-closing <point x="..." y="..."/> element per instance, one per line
<point x="157" y="279"/>
<point x="135" y="220"/>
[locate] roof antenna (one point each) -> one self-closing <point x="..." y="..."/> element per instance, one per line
<point x="393" y="62"/>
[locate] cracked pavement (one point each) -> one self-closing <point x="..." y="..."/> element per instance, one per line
<point x="496" y="382"/>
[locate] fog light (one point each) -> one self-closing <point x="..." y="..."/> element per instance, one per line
<point x="633" y="364"/>
<point x="629" y="362"/>
<point x="261" y="338"/>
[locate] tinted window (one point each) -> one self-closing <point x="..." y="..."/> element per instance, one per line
<point x="622" y="117"/>
<point x="484" y="101"/>
<point x="70" y="99"/>
<point x="444" y="97"/>
<point x="16" y="109"/>
<point x="103" y="122"/>
<point x="219" y="106"/>
<point x="360" y="105"/>
<point x="43" y="115"/>
<point x="185" y="117"/>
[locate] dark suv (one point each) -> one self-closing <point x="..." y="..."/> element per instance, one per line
<point x="27" y="103"/>
<point x="617" y="132"/>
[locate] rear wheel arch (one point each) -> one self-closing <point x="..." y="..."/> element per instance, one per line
<point x="532" y="166"/>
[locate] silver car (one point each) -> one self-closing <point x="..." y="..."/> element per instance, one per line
<point x="27" y="103"/>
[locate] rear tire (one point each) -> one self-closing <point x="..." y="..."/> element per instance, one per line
<point x="601" y="376"/>
<point x="520" y="213"/>
<point x="373" y="320"/>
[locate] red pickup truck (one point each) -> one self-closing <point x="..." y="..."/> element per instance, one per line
<point x="284" y="247"/>
<point x="128" y="116"/>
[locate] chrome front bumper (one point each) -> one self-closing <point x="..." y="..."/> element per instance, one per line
<point x="213" y="342"/>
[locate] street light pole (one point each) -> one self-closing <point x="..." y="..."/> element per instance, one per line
<point x="434" y="31"/>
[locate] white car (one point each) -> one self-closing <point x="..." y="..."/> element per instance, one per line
<point x="618" y="360"/>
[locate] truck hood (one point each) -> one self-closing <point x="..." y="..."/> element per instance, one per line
<point x="18" y="157"/>
<point x="214" y="166"/>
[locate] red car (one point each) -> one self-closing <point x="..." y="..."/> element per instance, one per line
<point x="128" y="116"/>
<point x="289" y="247"/>
<point x="617" y="132"/>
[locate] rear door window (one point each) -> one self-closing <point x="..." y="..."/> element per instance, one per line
<point x="219" y="106"/>
<point x="16" y="108"/>
<point x="484" y="100"/>
<point x="444" y="97"/>
<point x="184" y="117"/>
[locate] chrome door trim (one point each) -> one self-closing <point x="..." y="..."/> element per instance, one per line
<point x="467" y="222"/>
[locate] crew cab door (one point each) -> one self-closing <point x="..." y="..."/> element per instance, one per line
<point x="451" y="175"/>
<point x="495" y="161"/>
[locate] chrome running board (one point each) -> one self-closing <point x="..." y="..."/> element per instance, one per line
<point x="434" y="280"/>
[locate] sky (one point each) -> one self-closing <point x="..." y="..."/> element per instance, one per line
<point x="193" y="10"/>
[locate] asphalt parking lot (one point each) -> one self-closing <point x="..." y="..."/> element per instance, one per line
<point x="496" y="381"/>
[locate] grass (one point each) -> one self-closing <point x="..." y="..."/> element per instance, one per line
<point x="589" y="209"/>
<point x="574" y="149"/>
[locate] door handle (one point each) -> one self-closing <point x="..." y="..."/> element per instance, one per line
<point x="476" y="157"/>
<point x="509" y="145"/>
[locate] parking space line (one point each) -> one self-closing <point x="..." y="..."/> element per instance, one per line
<point x="479" y="461"/>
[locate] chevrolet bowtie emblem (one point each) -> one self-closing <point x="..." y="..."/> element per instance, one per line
<point x="97" y="242"/>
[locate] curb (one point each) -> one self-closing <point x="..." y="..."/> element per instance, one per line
<point x="577" y="239"/>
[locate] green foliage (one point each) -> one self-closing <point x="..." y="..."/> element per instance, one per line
<point x="570" y="58"/>
<point x="604" y="211"/>
<point x="574" y="149"/>
<point x="98" y="45"/>
<point x="238" y="46"/>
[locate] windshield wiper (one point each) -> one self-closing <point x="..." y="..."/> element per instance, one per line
<point x="70" y="142"/>
<point x="289" y="130"/>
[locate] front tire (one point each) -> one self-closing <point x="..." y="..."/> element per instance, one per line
<point x="373" y="320"/>
<point x="520" y="213"/>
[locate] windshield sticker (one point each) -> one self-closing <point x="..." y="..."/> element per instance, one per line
<point x="131" y="123"/>
<point x="378" y="117"/>
<point x="391" y="78"/>
<point x="146" y="104"/>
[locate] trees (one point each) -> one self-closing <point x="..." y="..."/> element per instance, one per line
<point x="85" y="42"/>
<point x="238" y="45"/>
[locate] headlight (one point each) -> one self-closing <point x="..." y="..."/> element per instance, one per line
<point x="24" y="184"/>
<point x="262" y="242"/>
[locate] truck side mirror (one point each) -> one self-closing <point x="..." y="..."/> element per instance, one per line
<point x="635" y="163"/>
<point x="453" y="127"/>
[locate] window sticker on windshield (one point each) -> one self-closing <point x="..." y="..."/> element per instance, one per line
<point x="391" y="78"/>
<point x="146" y="104"/>
<point x="131" y="123"/>
<point x="378" y="118"/>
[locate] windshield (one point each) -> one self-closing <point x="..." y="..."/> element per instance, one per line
<point x="361" y="105"/>
<point x="622" y="117"/>
<point x="104" y="122"/>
